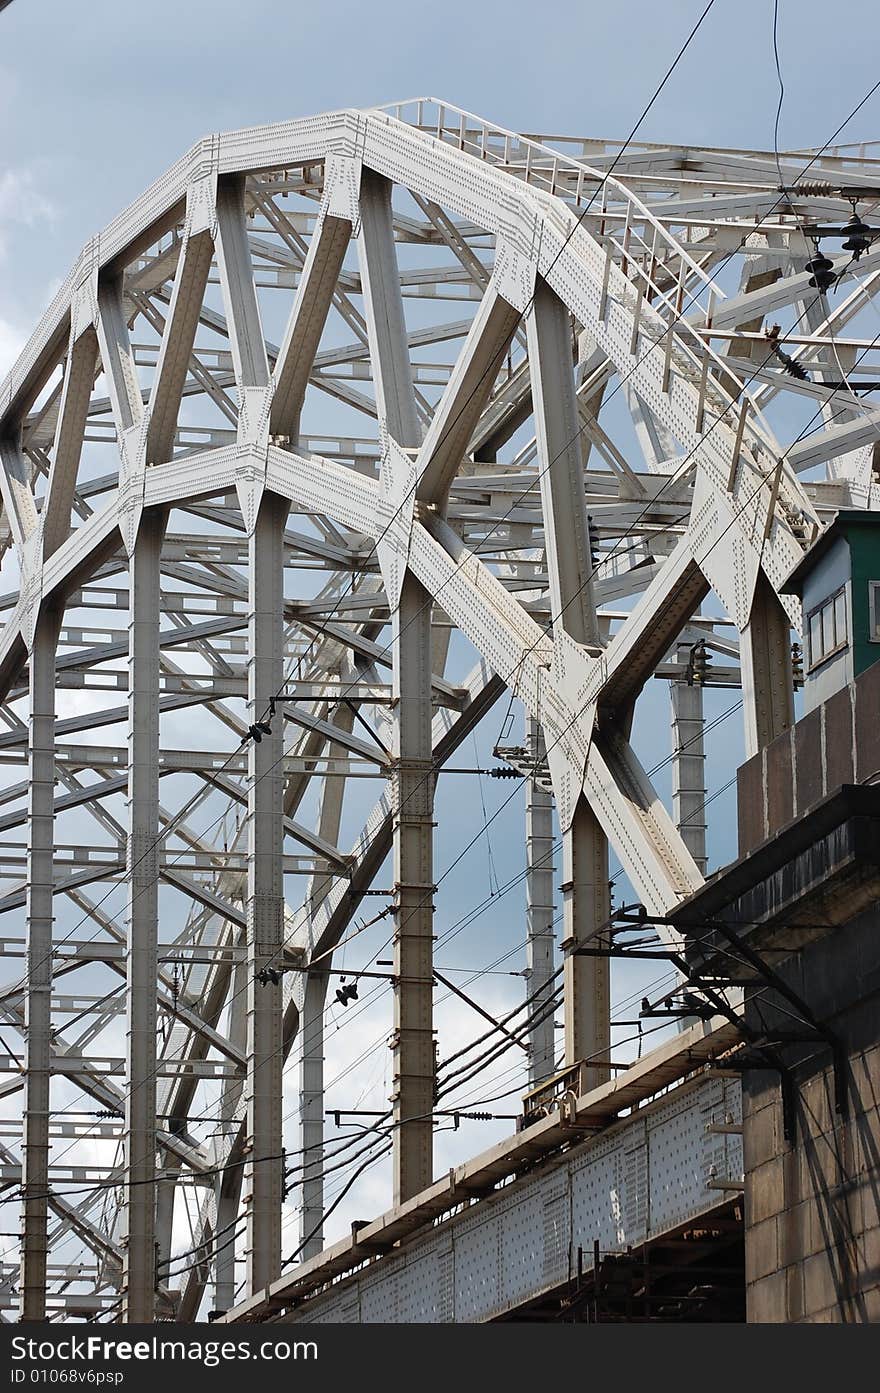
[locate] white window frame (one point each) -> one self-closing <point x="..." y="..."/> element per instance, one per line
<point x="874" y="611"/>
<point x="826" y="614"/>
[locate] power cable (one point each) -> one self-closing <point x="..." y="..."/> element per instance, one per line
<point x="606" y="556"/>
<point x="322" y="628"/>
<point x="781" y="92"/>
<point x="829" y="142"/>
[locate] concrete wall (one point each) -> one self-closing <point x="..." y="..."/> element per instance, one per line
<point x="812" y="1207"/>
<point x="838" y="743"/>
<point x="807" y="900"/>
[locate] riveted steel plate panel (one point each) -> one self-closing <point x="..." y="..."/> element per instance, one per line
<point x="598" y="1201"/>
<point x="422" y="1288"/>
<point x="477" y="1286"/>
<point x="635" y="1179"/>
<point x="733" y="1140"/>
<point x="556" y="1209"/>
<point x="338" y="1312"/>
<point x="380" y="1293"/>
<point x="648" y="1175"/>
<point x="678" y="1169"/>
<point x="521" y="1256"/>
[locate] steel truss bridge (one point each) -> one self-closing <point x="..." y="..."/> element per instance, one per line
<point x="346" y="429"/>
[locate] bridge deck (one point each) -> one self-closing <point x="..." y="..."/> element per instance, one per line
<point x="635" y="1178"/>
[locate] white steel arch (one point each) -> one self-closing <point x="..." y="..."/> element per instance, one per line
<point x="248" y="422"/>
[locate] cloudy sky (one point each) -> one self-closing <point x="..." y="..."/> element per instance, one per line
<point x="98" y="97"/>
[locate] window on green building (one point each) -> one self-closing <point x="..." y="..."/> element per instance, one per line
<point x="827" y="628"/>
<point x="874" y="611"/>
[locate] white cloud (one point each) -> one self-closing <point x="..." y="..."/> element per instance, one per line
<point x="73" y="702"/>
<point x="21" y="200"/>
<point x="13" y="339"/>
<point x="52" y="289"/>
<point x="11" y="344"/>
<point x="22" y="204"/>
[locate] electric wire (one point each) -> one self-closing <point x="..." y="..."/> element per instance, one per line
<point x="856" y="109"/>
<point x="278" y="695"/>
<point x="781" y="92"/>
<point x="673" y="478"/>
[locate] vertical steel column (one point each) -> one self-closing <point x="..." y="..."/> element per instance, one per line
<point x="166" y="1191"/>
<point x="228" y="1185"/>
<point x="586" y="905"/>
<point x="38" y="1046"/>
<point x="311" y="1092"/>
<point x="586" y="897"/>
<point x="139" y="1135"/>
<point x="412" y="782"/>
<point x="264" y="1174"/>
<point x="228" y="1200"/>
<point x="765" y="660"/>
<point x="312" y="1027"/>
<point x="688" y="764"/>
<point x="539" y="911"/>
<point x="413" y="801"/>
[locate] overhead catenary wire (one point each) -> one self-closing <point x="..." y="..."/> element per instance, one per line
<point x="497" y="811"/>
<point x="605" y="557"/>
<point x="331" y="1153"/>
<point x="517" y="1070"/>
<point x="671" y="480"/>
<point x="328" y="1150"/>
<point x="468" y="847"/>
<point x="781" y="92"/>
<point x="346" y="1164"/>
<point x="816" y="155"/>
<point x="269" y="708"/>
